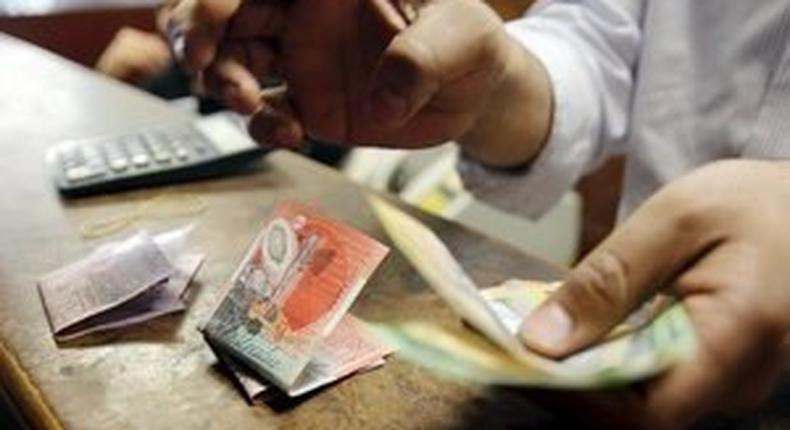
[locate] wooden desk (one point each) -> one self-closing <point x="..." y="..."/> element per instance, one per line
<point x="160" y="375"/>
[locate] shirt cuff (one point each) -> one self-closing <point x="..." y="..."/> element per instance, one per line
<point x="569" y="149"/>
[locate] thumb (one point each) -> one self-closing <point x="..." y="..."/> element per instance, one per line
<point x="614" y="279"/>
<point x="442" y="42"/>
<point x="276" y="123"/>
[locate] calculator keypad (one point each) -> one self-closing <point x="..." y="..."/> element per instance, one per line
<point x="204" y="147"/>
<point x="132" y="154"/>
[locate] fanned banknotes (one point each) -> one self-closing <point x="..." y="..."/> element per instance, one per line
<point x="293" y="288"/>
<point x="653" y="339"/>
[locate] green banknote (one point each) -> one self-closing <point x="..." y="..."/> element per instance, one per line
<point x="655" y="338"/>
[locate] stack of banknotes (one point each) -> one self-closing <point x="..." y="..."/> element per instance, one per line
<point x="283" y="320"/>
<point x="120" y="284"/>
<point x="488" y="350"/>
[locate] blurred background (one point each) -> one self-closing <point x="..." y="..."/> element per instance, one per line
<point x="117" y="38"/>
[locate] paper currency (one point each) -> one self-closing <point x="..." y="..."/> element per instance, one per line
<point x="117" y="285"/>
<point x="164" y="298"/>
<point x="641" y="347"/>
<point x="516" y="298"/>
<point x="349" y="349"/>
<point x="298" y="280"/>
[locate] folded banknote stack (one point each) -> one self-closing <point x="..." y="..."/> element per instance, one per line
<point x="283" y="320"/>
<point x="487" y="349"/>
<point x="120" y="284"/>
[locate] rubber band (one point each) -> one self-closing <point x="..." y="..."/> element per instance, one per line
<point x="163" y="206"/>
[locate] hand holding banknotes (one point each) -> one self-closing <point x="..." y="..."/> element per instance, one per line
<point x="391" y="73"/>
<point x="715" y="237"/>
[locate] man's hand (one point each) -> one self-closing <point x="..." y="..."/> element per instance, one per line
<point x="134" y="56"/>
<point x="718" y="239"/>
<point x="374" y="72"/>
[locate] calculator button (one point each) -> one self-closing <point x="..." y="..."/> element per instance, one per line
<point x="182" y="154"/>
<point x="92" y="155"/>
<point x="153" y="146"/>
<point x="119" y="164"/>
<point x="70" y="162"/>
<point x="162" y="156"/>
<point x="133" y="144"/>
<point x="141" y="159"/>
<point x="81" y="173"/>
<point x="71" y="157"/>
<point x="198" y="145"/>
<point x="76" y="173"/>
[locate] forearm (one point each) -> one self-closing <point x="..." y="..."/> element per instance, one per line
<point x="516" y="120"/>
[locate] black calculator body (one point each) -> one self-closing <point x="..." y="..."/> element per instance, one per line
<point x="206" y="147"/>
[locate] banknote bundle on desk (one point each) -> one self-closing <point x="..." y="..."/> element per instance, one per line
<point x="282" y="321"/>
<point x="488" y="350"/>
<point x="120" y="284"/>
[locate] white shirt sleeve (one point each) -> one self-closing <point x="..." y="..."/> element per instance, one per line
<point x="589" y="48"/>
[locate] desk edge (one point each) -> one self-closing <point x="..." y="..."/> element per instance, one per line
<point x="25" y="395"/>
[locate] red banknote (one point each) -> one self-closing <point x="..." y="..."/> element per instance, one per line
<point x="296" y="283"/>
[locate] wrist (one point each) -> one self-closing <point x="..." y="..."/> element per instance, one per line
<point x="514" y="124"/>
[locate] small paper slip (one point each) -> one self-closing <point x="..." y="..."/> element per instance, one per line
<point x="117" y="285"/>
<point x="293" y="288"/>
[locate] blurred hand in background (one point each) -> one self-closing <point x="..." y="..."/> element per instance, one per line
<point x="371" y="72"/>
<point x="134" y="56"/>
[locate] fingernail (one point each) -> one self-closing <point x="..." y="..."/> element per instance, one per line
<point x="176" y="36"/>
<point x="547" y="326"/>
<point x="387" y="106"/>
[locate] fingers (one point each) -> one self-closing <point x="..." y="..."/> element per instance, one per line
<point x="234" y="77"/>
<point x="275" y="123"/>
<point x="197" y="27"/>
<point x="233" y="84"/>
<point x="646" y="251"/>
<point x="734" y="370"/>
<point x="436" y="48"/>
<point x="406" y="79"/>
<point x="134" y="56"/>
<point x="738" y="358"/>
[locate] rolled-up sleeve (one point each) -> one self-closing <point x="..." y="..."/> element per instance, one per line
<point x="589" y="49"/>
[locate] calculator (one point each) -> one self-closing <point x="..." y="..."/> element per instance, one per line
<point x="202" y="148"/>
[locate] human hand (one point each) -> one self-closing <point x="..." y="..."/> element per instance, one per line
<point x="225" y="44"/>
<point x="717" y="239"/>
<point x="134" y="56"/>
<point x="381" y="72"/>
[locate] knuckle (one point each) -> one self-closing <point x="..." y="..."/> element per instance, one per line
<point x="603" y="278"/>
<point x="701" y="202"/>
<point x="413" y="60"/>
<point x="691" y="212"/>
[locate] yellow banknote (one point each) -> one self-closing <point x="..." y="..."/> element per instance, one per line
<point x="653" y="339"/>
